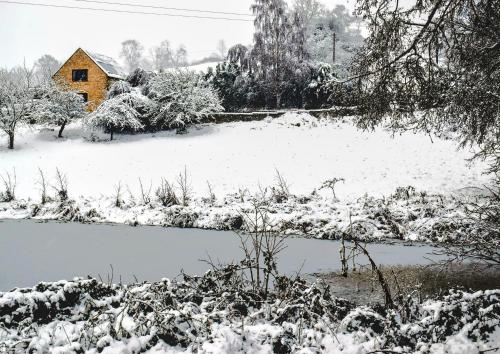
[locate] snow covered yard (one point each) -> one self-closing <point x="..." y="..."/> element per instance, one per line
<point x="245" y="155"/>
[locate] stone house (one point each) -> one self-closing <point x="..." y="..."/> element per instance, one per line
<point x="90" y="74"/>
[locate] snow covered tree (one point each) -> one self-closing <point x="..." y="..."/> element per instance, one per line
<point x="308" y="9"/>
<point x="182" y="98"/>
<point x="45" y="67"/>
<point x="60" y="105"/>
<point x="433" y="66"/>
<point x="122" y="113"/>
<point x="17" y="101"/>
<point x="239" y="54"/>
<point x="131" y="53"/>
<point x="278" y="44"/>
<point x="332" y="36"/>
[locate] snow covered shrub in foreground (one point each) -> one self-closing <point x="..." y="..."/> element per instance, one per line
<point x="209" y="314"/>
<point x="182" y="98"/>
<point x="59" y="106"/>
<point x="121" y="113"/>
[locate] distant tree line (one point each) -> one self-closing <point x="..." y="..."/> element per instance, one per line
<point x="291" y="62"/>
<point x="163" y="56"/>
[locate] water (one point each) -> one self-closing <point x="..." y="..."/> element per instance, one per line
<point x="32" y="251"/>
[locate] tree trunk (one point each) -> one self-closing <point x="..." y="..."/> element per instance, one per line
<point x="111" y="132"/>
<point x="61" y="129"/>
<point x="11" y="141"/>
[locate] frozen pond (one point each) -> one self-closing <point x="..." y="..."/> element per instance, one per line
<point x="32" y="251"/>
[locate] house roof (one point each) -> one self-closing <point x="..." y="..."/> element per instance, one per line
<point x="107" y="64"/>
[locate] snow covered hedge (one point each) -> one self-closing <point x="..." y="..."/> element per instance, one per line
<point x="182" y="98"/>
<point x="206" y="315"/>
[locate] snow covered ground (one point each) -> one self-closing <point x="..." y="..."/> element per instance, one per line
<point x="244" y="155"/>
<point x="203" y="67"/>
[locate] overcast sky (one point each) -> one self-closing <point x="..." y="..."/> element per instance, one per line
<point x="27" y="32"/>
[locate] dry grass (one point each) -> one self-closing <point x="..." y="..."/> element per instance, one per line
<point x="426" y="281"/>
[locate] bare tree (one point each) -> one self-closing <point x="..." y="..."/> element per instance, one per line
<point x="162" y="56"/>
<point x="308" y="9"/>
<point x="330" y="184"/>
<point x="180" y="57"/>
<point x="145" y="194"/>
<point x="261" y="246"/>
<point x="185" y="187"/>
<point x="16" y="99"/>
<point x="131" y="53"/>
<point x="211" y="195"/>
<point x="61" y="186"/>
<point x="118" y="195"/>
<point x="45" y="67"/>
<point x="42" y="183"/>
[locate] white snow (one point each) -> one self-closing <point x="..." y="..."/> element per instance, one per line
<point x="244" y="154"/>
<point x="199" y="67"/>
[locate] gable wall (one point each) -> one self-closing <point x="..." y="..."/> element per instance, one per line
<point x="97" y="83"/>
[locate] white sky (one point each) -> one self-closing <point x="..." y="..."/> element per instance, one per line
<point x="28" y="32"/>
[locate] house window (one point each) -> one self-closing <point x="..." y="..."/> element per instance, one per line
<point x="85" y="96"/>
<point x="80" y="75"/>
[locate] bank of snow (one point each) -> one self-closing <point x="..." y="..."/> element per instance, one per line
<point x="406" y="214"/>
<point x="245" y="155"/>
<point x="209" y="315"/>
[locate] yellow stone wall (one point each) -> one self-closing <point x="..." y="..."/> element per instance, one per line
<point x="98" y="81"/>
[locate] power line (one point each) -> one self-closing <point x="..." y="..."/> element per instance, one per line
<point x="165" y="8"/>
<point x="122" y="11"/>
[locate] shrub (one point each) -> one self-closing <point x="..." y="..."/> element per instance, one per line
<point x="182" y="98"/>
<point x="122" y="113"/>
<point x="118" y="88"/>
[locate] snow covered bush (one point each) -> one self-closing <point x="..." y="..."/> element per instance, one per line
<point x="209" y="314"/>
<point x="182" y="98"/>
<point x="139" y="77"/>
<point x="59" y="106"/>
<point x="118" y="88"/>
<point x="122" y="113"/>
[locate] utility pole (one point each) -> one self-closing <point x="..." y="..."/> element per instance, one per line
<point x="334" y="45"/>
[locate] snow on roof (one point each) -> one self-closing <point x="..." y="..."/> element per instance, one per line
<point x="107" y="64"/>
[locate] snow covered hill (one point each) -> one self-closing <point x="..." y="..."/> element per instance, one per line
<point x="243" y="155"/>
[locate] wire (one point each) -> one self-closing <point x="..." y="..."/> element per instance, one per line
<point x="122" y="11"/>
<point x="164" y="8"/>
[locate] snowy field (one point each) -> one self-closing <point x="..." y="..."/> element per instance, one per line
<point x="243" y="155"/>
